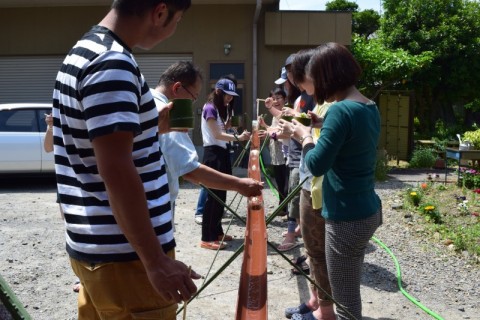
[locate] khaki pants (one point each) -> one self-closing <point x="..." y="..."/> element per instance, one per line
<point x="119" y="290"/>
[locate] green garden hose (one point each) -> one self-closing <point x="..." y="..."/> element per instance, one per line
<point x="381" y="244"/>
<point x="399" y="281"/>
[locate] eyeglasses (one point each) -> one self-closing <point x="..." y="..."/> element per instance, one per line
<point x="194" y="98"/>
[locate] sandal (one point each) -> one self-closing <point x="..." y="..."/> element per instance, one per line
<point x="76" y="286"/>
<point x="213" y="245"/>
<point x="299" y="259"/>
<point x="303" y="266"/>
<point x="287" y="246"/>
<point x="301" y="309"/>
<point x="225" y="237"/>
<point x="297" y="234"/>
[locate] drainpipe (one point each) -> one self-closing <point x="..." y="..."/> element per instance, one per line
<point x="258" y="9"/>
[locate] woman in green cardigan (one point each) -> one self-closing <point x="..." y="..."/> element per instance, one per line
<point x="345" y="154"/>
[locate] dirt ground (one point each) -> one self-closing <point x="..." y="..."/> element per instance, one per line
<point x="34" y="262"/>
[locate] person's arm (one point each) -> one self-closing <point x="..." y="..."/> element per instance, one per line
<point x="48" y="139"/>
<point x="127" y="198"/>
<point x="214" y="179"/>
<point x="220" y="135"/>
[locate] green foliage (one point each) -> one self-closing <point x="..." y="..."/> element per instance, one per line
<point x="381" y="167"/>
<point x="384" y="67"/>
<point x="470" y="178"/>
<point x="473" y="137"/>
<point x="414" y="196"/>
<point x="442" y="219"/>
<point x="423" y="158"/>
<point x="341" y="5"/>
<point x="365" y="23"/>
<point x="450" y="31"/>
<point x="431" y="213"/>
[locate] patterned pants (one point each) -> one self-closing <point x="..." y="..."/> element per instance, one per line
<point x="345" y="243"/>
<point x="312" y="225"/>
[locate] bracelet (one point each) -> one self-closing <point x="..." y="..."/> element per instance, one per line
<point x="235" y="136"/>
<point x="305" y="137"/>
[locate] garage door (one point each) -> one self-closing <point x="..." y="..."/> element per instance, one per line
<point x="31" y="79"/>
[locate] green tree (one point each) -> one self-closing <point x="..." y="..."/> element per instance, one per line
<point x="385" y="68"/>
<point x="364" y="23"/>
<point x="450" y="31"/>
<point x="341" y="5"/>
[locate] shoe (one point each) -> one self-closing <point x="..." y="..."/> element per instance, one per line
<point x="227" y="215"/>
<point x="282" y="214"/>
<point x="304" y="316"/>
<point x="198" y="219"/>
<point x="301" y="309"/>
<point x="225" y="237"/>
<point x="299" y="260"/>
<point x="76" y="286"/>
<point x="303" y="266"/>
<point x="213" y="245"/>
<point x="287" y="246"/>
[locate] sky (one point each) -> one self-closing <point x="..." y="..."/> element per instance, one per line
<point x="320" y="4"/>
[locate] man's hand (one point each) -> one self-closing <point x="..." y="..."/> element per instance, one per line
<point x="250" y="187"/>
<point x="172" y="279"/>
<point x="163" y="118"/>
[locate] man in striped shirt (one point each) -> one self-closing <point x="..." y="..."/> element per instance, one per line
<point x="110" y="171"/>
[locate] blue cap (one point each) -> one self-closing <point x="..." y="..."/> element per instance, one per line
<point x="226" y="86"/>
<point x="289" y="59"/>
<point x="283" y="77"/>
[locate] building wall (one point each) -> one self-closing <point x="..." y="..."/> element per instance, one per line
<point x="202" y="33"/>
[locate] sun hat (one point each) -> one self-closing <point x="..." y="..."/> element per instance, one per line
<point x="283" y="77"/>
<point x="226" y="86"/>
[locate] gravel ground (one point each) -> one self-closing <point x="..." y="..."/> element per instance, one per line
<point x="34" y="263"/>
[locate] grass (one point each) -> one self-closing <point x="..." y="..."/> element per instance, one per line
<point x="447" y="213"/>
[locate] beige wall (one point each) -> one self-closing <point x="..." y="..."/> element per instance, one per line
<point x="201" y="33"/>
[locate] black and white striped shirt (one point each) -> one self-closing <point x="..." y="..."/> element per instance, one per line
<point x="100" y="90"/>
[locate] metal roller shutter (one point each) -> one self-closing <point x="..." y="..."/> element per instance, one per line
<point x="31" y="79"/>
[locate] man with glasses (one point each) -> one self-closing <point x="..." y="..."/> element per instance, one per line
<point x="183" y="80"/>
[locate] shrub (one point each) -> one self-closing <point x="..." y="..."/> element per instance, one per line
<point x="423" y="158"/>
<point x="431" y="213"/>
<point x="473" y="137"/>
<point x="381" y="167"/>
<point x="414" y="196"/>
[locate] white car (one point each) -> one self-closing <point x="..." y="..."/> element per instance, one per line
<point x="22" y="132"/>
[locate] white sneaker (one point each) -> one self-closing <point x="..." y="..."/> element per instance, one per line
<point x="198" y="219"/>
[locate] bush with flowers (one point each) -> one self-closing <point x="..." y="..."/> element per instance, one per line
<point x="414" y="196"/>
<point x="449" y="213"/>
<point x="431" y="213"/>
<point x="469" y="178"/>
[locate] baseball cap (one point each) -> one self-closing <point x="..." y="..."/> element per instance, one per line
<point x="289" y="59"/>
<point x="283" y="77"/>
<point x="226" y="86"/>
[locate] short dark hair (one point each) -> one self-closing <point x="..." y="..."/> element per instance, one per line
<point x="333" y="69"/>
<point x="140" y="7"/>
<point x="181" y="71"/>
<point x="299" y="62"/>
<point x="278" y="91"/>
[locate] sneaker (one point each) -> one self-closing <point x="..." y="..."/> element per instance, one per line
<point x="198" y="219"/>
<point x="227" y="215"/>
